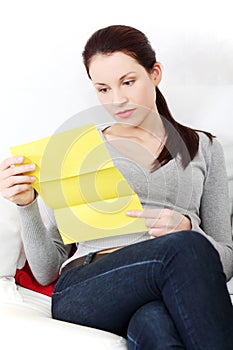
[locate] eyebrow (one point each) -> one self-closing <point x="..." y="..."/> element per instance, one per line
<point x="121" y="78"/>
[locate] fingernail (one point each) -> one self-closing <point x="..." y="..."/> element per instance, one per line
<point x="20" y="159"/>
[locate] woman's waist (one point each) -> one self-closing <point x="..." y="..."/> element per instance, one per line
<point x="105" y="245"/>
<point x="112" y="242"/>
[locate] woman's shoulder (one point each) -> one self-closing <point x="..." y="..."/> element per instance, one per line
<point x="209" y="147"/>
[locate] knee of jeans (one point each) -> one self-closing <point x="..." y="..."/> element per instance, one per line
<point x="190" y="237"/>
<point x="194" y="245"/>
<point x="151" y="320"/>
<point x="147" y="313"/>
<point x="141" y="321"/>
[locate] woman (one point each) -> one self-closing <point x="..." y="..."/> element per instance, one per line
<point x="164" y="288"/>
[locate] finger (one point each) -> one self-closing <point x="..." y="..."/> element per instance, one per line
<point x="151" y="222"/>
<point x="13" y="192"/>
<point x="145" y="213"/>
<point x="153" y="232"/>
<point x="17" y="170"/>
<point x="156" y="232"/>
<point x="8" y="162"/>
<point x="17" y="180"/>
<point x="20" y="169"/>
<point x="135" y="213"/>
<point x="13" y="181"/>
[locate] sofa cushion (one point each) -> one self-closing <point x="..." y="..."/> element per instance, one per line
<point x="27" y="325"/>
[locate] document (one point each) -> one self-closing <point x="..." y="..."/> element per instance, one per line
<point x="76" y="177"/>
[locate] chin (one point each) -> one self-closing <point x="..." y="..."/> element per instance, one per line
<point x="127" y="122"/>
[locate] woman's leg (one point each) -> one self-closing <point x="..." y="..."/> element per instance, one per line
<point x="151" y="327"/>
<point x="182" y="270"/>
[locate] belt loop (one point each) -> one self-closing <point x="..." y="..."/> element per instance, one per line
<point x="89" y="258"/>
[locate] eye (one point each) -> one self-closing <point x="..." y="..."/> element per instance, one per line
<point x="103" y="90"/>
<point x="129" y="82"/>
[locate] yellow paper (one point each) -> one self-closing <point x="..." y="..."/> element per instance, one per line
<point x="76" y="177"/>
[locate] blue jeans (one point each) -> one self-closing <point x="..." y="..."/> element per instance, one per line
<point x="165" y="293"/>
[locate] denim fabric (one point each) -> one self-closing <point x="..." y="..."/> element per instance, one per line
<point x="165" y="293"/>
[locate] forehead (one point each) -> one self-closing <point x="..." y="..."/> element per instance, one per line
<point x="112" y="66"/>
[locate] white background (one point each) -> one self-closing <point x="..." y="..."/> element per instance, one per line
<point x="43" y="80"/>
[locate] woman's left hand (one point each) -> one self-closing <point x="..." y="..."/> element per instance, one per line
<point x="162" y="221"/>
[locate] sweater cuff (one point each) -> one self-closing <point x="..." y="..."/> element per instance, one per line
<point x="30" y="209"/>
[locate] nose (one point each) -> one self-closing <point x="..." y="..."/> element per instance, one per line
<point x="118" y="97"/>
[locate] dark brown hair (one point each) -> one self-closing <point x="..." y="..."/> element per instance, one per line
<point x="180" y="139"/>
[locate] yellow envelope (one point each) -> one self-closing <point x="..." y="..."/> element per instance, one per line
<point x="75" y="176"/>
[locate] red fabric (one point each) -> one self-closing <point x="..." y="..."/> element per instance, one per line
<point x="25" y="278"/>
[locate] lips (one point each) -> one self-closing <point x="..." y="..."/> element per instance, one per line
<point x="125" y="114"/>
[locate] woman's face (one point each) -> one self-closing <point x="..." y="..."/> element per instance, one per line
<point x="124" y="87"/>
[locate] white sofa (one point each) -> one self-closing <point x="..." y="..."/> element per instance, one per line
<point x="26" y="323"/>
<point x="25" y="317"/>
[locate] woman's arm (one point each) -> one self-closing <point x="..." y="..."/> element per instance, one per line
<point x="43" y="245"/>
<point x="214" y="210"/>
<point x="213" y="217"/>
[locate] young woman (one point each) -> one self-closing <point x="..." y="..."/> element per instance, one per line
<point x="164" y="288"/>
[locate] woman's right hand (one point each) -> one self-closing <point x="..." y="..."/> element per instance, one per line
<point x="15" y="184"/>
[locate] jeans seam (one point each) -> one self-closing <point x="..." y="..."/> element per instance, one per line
<point x="182" y="313"/>
<point x="106" y="273"/>
<point x="133" y="341"/>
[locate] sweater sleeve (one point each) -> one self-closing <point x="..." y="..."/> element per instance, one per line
<point x="214" y="209"/>
<point x="43" y="245"/>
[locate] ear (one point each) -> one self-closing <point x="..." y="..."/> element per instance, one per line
<point x="156" y="73"/>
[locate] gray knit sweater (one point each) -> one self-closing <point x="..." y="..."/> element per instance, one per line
<point x="200" y="192"/>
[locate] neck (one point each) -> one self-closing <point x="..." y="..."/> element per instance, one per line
<point x="152" y="125"/>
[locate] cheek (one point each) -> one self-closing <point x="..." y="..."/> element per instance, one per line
<point x="151" y="93"/>
<point x="146" y="96"/>
<point x="152" y="97"/>
<point x="108" y="106"/>
<point x="104" y="99"/>
<point x="100" y="98"/>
